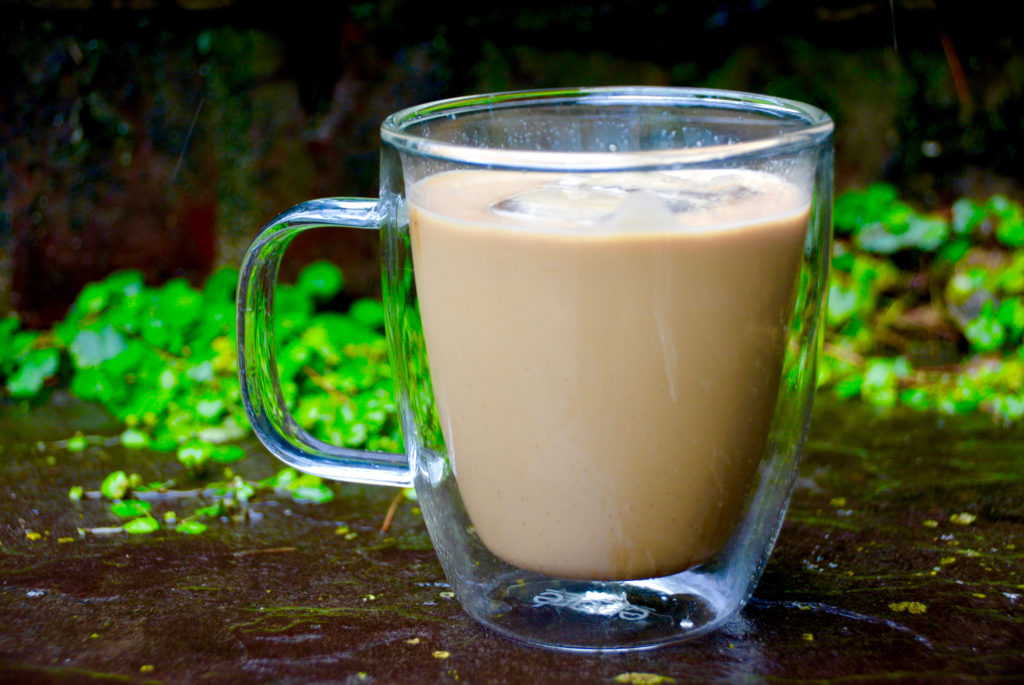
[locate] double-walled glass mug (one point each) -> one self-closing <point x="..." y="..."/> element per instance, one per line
<point x="602" y="308"/>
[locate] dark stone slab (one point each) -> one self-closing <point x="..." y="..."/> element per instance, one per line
<point x="900" y="560"/>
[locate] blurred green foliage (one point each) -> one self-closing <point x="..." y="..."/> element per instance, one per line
<point x="927" y="309"/>
<point x="162" y="360"/>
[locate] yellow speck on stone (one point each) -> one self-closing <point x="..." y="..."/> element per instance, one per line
<point x="441" y="654"/>
<point x="635" y="678"/>
<point x="146" y="668"/>
<point x="962" y="519"/>
<point x="1010" y="545"/>
<point x="979" y="595"/>
<point x="808" y="636"/>
<point x="848" y="573"/>
<point x="837" y="502"/>
<point x="909" y="607"/>
<point x="732" y="645"/>
<point x="412" y="641"/>
<point x="94" y="636"/>
<point x="350" y="536"/>
<point x="947" y="560"/>
<point x="447" y="594"/>
<point x="341" y="530"/>
<point x="930" y="523"/>
<point x="62" y="541"/>
<point x="32" y="535"/>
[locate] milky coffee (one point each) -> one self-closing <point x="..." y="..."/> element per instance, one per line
<point x="605" y="353"/>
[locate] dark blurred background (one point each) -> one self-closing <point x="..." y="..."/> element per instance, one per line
<point x="161" y="135"/>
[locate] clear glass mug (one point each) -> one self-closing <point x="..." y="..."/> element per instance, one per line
<point x="603" y="310"/>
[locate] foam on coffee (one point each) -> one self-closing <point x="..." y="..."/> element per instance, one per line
<point x="605" y="353"/>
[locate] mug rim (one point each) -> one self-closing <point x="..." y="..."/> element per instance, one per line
<point x="813" y="127"/>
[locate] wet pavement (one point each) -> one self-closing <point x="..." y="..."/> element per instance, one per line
<point x="901" y="559"/>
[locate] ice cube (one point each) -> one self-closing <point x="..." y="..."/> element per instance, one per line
<point x="563" y="202"/>
<point x="640" y="210"/>
<point x="594" y="198"/>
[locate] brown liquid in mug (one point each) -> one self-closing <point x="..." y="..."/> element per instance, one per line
<point x="605" y="355"/>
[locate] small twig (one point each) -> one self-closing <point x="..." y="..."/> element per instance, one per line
<point x="391" y="511"/>
<point x="843" y="354"/>
<point x="956" y="71"/>
<point x="324" y="385"/>
<point x="157" y="495"/>
<point x="188" y="137"/>
<point x="271" y="550"/>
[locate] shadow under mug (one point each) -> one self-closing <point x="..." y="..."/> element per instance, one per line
<point x="603" y="310"/>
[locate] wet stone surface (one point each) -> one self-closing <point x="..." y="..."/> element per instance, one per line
<point x="902" y="558"/>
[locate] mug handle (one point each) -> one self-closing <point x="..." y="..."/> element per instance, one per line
<point x="257" y="365"/>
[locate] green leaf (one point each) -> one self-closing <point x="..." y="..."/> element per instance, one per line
<point x="210" y="408"/>
<point x="282" y="480"/>
<point x="954" y="251"/>
<point x="881" y="377"/>
<point x="92" y="298"/>
<point x="854" y="209"/>
<point x="226" y="454"/>
<point x="221" y="286"/>
<point x="875" y="237"/>
<point x="115" y="485"/>
<point x="77" y="443"/>
<point x="320" y="280"/>
<point x="292" y="310"/>
<point x="1010" y="231"/>
<point x="329" y="332"/>
<point x="130" y="508"/>
<point x="317" y="494"/>
<point x="142" y="525"/>
<point x="134" y="439"/>
<point x="91" y="348"/>
<point x="1011" y="316"/>
<point x="843" y="261"/>
<point x="75" y="493"/>
<point x="967" y="216"/>
<point x="193" y="456"/>
<point x="210" y="511"/>
<point x="32" y="373"/>
<point x="985" y="332"/>
<point x="842" y="304"/>
<point x="927" y="233"/>
<point x="1010" y="228"/>
<point x="191" y="527"/>
<point x="128" y="283"/>
<point x="368" y="312"/>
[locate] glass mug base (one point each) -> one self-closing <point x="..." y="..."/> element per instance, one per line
<point x="603" y="309"/>
<point x="589" y="616"/>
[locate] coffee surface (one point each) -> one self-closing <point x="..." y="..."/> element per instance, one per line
<point x="605" y="353"/>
